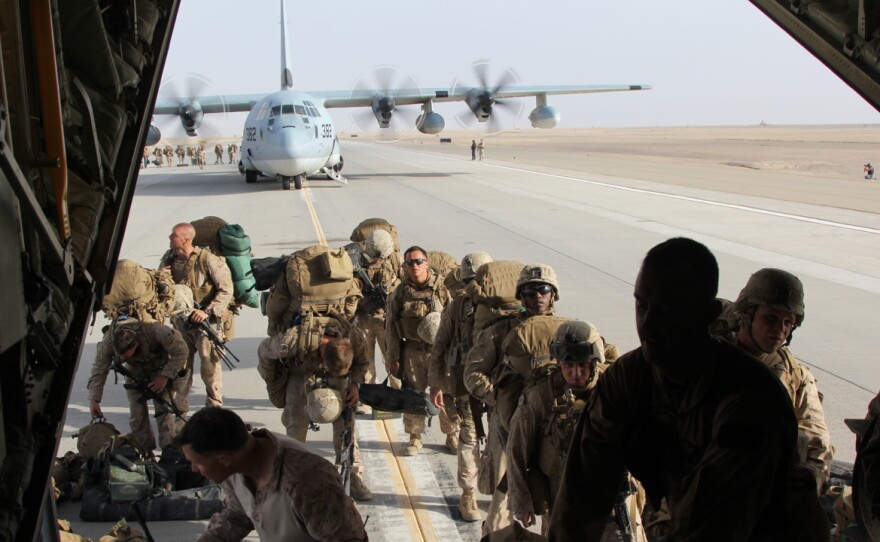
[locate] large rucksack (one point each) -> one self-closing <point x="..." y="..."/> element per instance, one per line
<point x="318" y="281"/>
<point x="442" y="262"/>
<point x="139" y="292"/>
<point x="493" y="292"/>
<point x="233" y="244"/>
<point x="526" y="350"/>
<point x="362" y="230"/>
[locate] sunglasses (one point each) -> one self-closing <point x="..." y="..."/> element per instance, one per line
<point x="543" y="289"/>
<point x="415" y="261"/>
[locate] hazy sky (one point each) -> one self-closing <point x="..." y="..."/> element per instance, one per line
<point x="710" y="63"/>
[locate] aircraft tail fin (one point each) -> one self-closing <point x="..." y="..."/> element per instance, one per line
<point x="286" y="72"/>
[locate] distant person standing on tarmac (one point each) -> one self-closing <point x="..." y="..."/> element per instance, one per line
<point x="869" y="171"/>
<point x="481" y="147"/>
<point x="473" y="149"/>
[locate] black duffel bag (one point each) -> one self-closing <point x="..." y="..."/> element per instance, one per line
<point x="267" y="270"/>
<point x="384" y="397"/>
<point x="184" y="505"/>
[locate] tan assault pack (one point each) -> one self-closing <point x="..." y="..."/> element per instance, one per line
<point x="441" y="262"/>
<point x="493" y="292"/>
<point x="526" y="352"/>
<point x="139" y="292"/>
<point x="318" y="281"/>
<point x="362" y="230"/>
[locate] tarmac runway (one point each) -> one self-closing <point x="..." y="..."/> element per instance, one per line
<point x="592" y="224"/>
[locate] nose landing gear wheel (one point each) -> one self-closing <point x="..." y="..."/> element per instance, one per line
<point x="285" y="183"/>
<point x="297" y="182"/>
<point x="250" y="176"/>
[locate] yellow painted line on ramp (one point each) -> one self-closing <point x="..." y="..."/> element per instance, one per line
<point x="319" y="231"/>
<point x="417" y="519"/>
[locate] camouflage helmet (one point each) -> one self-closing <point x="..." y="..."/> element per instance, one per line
<point x="538" y="273"/>
<point x="428" y="327"/>
<point x="324" y="405"/>
<point x="773" y="287"/>
<point x="577" y="340"/>
<point x="379" y="244"/>
<point x="471" y="262"/>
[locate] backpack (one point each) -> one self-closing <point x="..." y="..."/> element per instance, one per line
<point x="441" y="262"/>
<point x="91" y="438"/>
<point x="233" y="244"/>
<point x="493" y="292"/>
<point x="362" y="230"/>
<point x="317" y="281"/>
<point x="140" y="293"/>
<point x="526" y="352"/>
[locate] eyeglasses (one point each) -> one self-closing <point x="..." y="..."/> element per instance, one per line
<point x="415" y="261"/>
<point x="543" y="289"/>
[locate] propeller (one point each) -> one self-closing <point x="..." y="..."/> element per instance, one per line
<point x="382" y="83"/>
<point x="481" y="99"/>
<point x="191" y="119"/>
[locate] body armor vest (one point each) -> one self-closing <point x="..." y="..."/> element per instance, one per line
<point x="558" y="424"/>
<point x="416" y="302"/>
<point x="182" y="272"/>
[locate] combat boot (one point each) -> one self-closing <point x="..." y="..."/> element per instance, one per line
<point x="415" y="444"/>
<point x="358" y="488"/>
<point x="452" y="443"/>
<point x="468" y="506"/>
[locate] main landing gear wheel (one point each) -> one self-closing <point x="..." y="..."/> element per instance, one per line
<point x="297" y="182"/>
<point x="250" y="176"/>
<point x="285" y="183"/>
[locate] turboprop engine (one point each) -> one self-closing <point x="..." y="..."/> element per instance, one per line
<point x="383" y="108"/>
<point x="544" y="116"/>
<point x="153" y="135"/>
<point x="191" y="116"/>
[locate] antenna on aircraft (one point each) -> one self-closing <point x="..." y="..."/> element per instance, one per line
<point x="286" y="72"/>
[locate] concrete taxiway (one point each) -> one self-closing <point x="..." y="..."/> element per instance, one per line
<point x="592" y="224"/>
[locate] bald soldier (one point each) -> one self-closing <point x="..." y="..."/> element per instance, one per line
<point x="209" y="279"/>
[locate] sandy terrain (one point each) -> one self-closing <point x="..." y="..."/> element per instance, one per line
<point x="811" y="164"/>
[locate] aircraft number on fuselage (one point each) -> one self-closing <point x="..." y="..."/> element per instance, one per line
<point x="250" y="134"/>
<point x="326" y="130"/>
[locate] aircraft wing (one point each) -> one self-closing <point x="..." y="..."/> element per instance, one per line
<point x="234" y="103"/>
<point x="364" y="98"/>
<point x="410" y="96"/>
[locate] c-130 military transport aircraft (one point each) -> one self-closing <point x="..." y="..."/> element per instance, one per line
<point x="289" y="135"/>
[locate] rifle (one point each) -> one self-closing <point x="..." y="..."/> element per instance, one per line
<point x="219" y="344"/>
<point x="347" y="454"/>
<point x="142" y="385"/>
<point x="621" y="513"/>
<point x="375" y="297"/>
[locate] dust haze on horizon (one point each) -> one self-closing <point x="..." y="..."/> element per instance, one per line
<point x="708" y="63"/>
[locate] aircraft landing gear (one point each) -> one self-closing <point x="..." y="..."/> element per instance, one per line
<point x="250" y="176"/>
<point x="285" y="182"/>
<point x="297" y="182"/>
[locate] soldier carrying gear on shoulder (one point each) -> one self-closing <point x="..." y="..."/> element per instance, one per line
<point x="770" y="307"/>
<point x="446" y="382"/>
<point x="148" y="350"/>
<point x="370" y="315"/>
<point x="208" y="276"/>
<point x="543" y="425"/>
<point x="507" y="358"/>
<point x="421" y="293"/>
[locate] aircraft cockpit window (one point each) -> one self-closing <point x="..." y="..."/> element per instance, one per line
<point x="276" y="110"/>
<point x="300" y="110"/>
<point x="264" y="112"/>
<point x="287" y="109"/>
